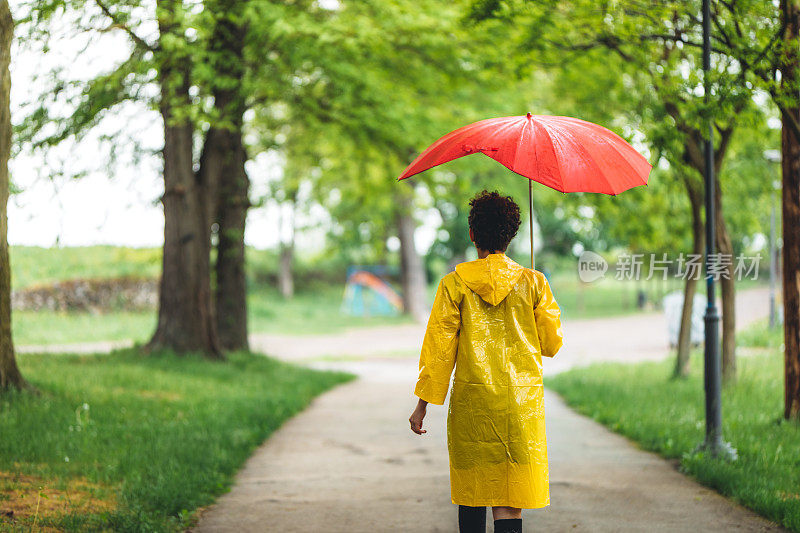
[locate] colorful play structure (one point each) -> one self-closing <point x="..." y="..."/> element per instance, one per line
<point x="368" y="293"/>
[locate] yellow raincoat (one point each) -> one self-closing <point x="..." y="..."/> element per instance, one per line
<point x="493" y="320"/>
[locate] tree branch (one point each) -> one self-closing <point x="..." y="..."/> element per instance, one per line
<point x="120" y="24"/>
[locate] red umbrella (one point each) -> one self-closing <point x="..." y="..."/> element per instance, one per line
<point x="564" y="153"/>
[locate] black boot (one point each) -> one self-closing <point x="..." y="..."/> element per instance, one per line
<point x="471" y="519"/>
<point x="508" y="525"/>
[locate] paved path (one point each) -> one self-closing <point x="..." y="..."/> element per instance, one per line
<point x="349" y="463"/>
<point x="378" y="352"/>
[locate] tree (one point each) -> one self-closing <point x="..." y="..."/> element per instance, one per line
<point x="207" y="58"/>
<point x="186" y="319"/>
<point x="10" y="376"/>
<point x="379" y="95"/>
<point x="412" y="271"/>
<point x="790" y="167"/>
<point x="223" y="165"/>
<point x="761" y="39"/>
<point x="659" y="45"/>
<point x="683" y="354"/>
<point x="159" y="72"/>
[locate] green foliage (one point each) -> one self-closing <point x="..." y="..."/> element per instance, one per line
<point x="635" y="67"/>
<point x="349" y="96"/>
<point x="166" y="434"/>
<point x="748" y="184"/>
<point x="33" y="265"/>
<point x="382" y="81"/>
<point x="65" y="105"/>
<point x="666" y="416"/>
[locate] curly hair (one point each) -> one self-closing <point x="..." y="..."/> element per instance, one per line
<point x="494" y="220"/>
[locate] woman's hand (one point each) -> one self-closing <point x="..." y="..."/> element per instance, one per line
<point x="418" y="416"/>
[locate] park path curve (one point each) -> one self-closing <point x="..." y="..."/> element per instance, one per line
<point x="349" y="463"/>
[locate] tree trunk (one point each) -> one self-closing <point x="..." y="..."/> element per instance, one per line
<point x="10" y="376"/>
<point x="790" y="169"/>
<point x="286" y="259"/>
<point x="223" y="167"/>
<point x="412" y="271"/>
<point x="185" y="314"/>
<point x="285" y="279"/>
<point x="231" y="279"/>
<point x="682" y="358"/>
<point x="727" y="285"/>
<point x="723" y="244"/>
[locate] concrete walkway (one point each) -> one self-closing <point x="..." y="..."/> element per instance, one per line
<point x="349" y="463"/>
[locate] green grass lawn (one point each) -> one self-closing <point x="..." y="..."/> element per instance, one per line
<point x="315" y="308"/>
<point x="32" y="265"/>
<point x="666" y="416"/>
<point x="309" y="312"/>
<point x="137" y="443"/>
<point x="51" y="327"/>
<point x="592" y="300"/>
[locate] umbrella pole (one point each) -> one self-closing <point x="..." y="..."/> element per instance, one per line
<point x="530" y="204"/>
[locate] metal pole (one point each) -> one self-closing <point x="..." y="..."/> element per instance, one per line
<point x="530" y="204"/>
<point x="712" y="375"/>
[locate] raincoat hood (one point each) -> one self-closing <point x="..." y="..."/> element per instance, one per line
<point x="492" y="277"/>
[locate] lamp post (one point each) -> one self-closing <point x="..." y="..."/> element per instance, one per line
<point x="712" y="375"/>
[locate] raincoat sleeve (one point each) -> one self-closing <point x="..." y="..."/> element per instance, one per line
<point x="439" y="347"/>
<point x="547" y="315"/>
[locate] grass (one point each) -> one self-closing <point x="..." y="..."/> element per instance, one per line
<point x="52" y="327"/>
<point x="145" y="440"/>
<point x="597" y="299"/>
<point x="33" y="265"/>
<point x="612" y="297"/>
<point x="309" y="312"/>
<point x="759" y="335"/>
<point x="666" y="416"/>
<point x="315" y="309"/>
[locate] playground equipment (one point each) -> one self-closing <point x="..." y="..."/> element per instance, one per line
<point x="368" y="294"/>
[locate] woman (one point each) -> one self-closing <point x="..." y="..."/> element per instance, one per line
<point x="492" y="320"/>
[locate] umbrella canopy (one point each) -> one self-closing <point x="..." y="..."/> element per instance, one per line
<point x="564" y="153"/>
